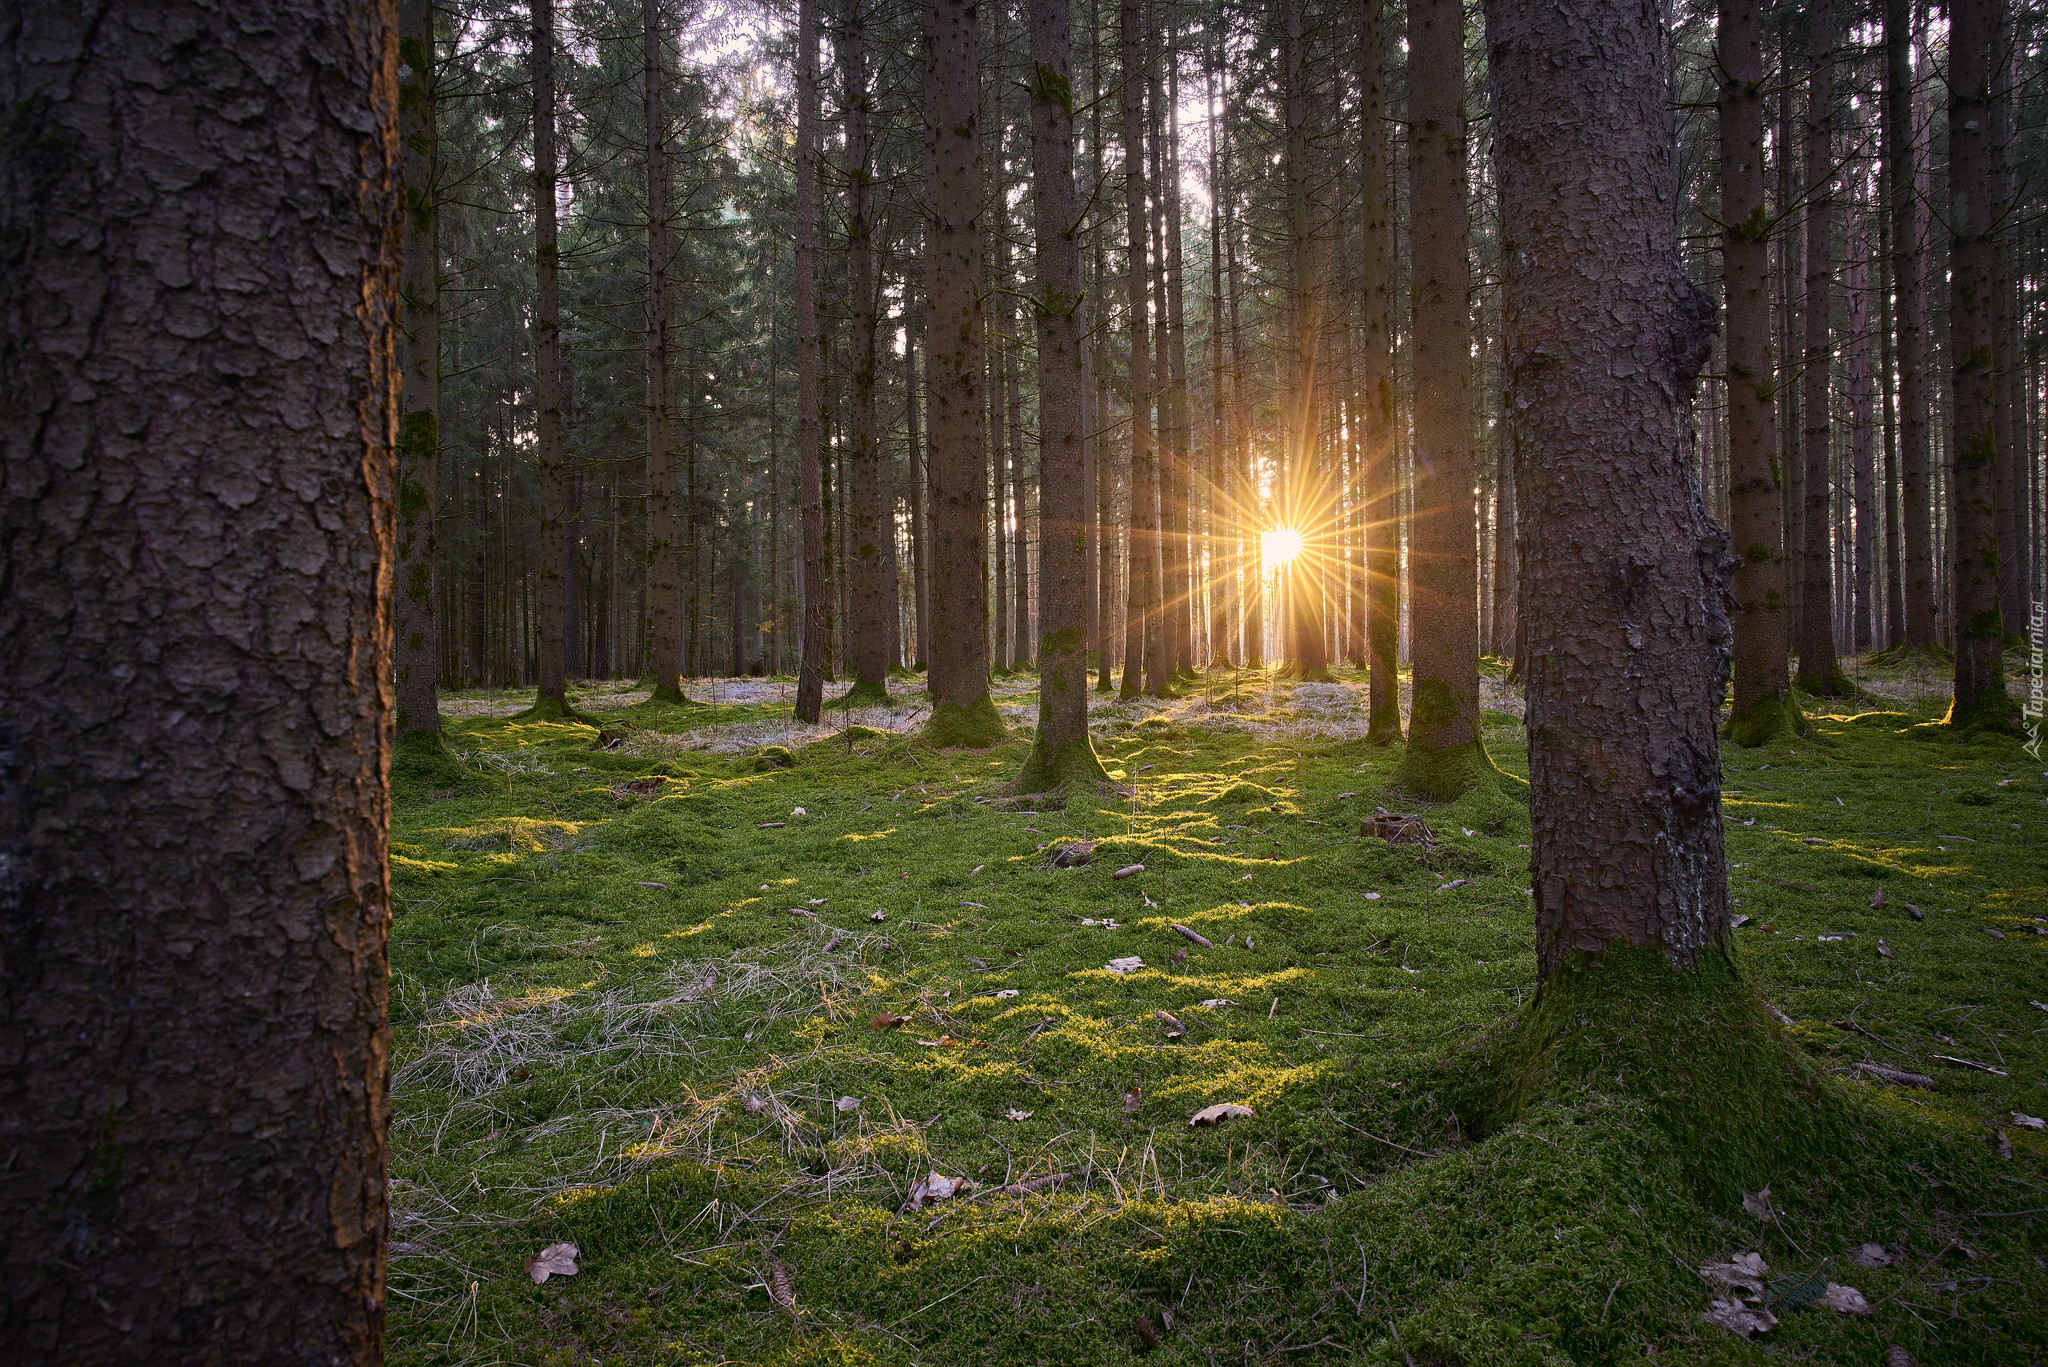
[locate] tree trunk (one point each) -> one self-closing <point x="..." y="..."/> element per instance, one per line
<point x="962" y="712"/>
<point x="2005" y="314"/>
<point x="1221" y="516"/>
<point x="810" y="677"/>
<point x="1178" y="511"/>
<point x="1061" y="752"/>
<point x="1623" y="570"/>
<point x="1306" y="509"/>
<point x="1819" y="672"/>
<point x="1764" y="708"/>
<point x="1981" y="700"/>
<point x="1445" y="751"/>
<point x="921" y="629"/>
<point x="866" y="568"/>
<point x="1141" y="629"/>
<point x="664" y="564"/>
<point x="552" y="696"/>
<point x="198" y="412"/>
<point x="1894" y="633"/>
<point x="1862" y="431"/>
<point x="1907" y="274"/>
<point x="1381" y="432"/>
<point x="415" y="642"/>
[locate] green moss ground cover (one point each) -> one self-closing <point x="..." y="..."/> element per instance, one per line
<point x="635" y="1005"/>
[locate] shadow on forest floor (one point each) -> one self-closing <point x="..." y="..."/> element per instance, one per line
<point x="718" y="1022"/>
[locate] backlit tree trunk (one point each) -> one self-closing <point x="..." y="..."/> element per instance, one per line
<point x="1756" y="497"/>
<point x="1819" y="671"/>
<point x="415" y="645"/>
<point x="198" y="412"/>
<point x="1623" y="570"/>
<point x="1981" y="699"/>
<point x="552" y="694"/>
<point x="1382" y="515"/>
<point x="1060" y="751"/>
<point x="868" y="563"/>
<point x="816" y="639"/>
<point x="962" y="712"/>
<point x="1307" y="499"/>
<point x="1914" y="490"/>
<point x="1445" y="750"/>
<point x="664" y="564"/>
<point x="1141" y="628"/>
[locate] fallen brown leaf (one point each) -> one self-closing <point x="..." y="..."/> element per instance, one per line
<point x="887" y="1020"/>
<point x="1739" y="1319"/>
<point x="1843" y="1300"/>
<point x="1132" y="1100"/>
<point x="1758" y="1203"/>
<point x="1743" y="1272"/>
<point x="1871" y="1255"/>
<point x="556" y="1260"/>
<point x="1217" y="1114"/>
<point x="1014" y="1114"/>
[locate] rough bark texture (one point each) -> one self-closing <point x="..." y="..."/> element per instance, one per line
<point x="199" y="233"/>
<point x="1623" y="570"/>
<point x="1901" y="154"/>
<point x="1307" y="508"/>
<point x="1382" y="502"/>
<point x="1141" y="578"/>
<point x="921" y="636"/>
<point x="1820" y="672"/>
<point x="1445" y="751"/>
<point x="552" y="695"/>
<point x="816" y="635"/>
<point x="415" y="645"/>
<point x="1060" y="751"/>
<point x="962" y="712"/>
<point x="1981" y="699"/>
<point x="1764" y="708"/>
<point x="874" y="591"/>
<point x="1862" y="429"/>
<point x="664" y="563"/>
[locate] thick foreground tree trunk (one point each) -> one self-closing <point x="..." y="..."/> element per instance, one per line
<point x="962" y="711"/>
<point x="1141" y="575"/>
<point x="1446" y="752"/>
<point x="1902" y="158"/>
<point x="1981" y="699"/>
<point x="815" y="636"/>
<point x="664" y="564"/>
<point x="1623" y="571"/>
<point x="416" y="643"/>
<point x="1763" y="708"/>
<point x="868" y="563"/>
<point x="198" y="410"/>
<point x="1382" y="501"/>
<point x="1061" y="752"/>
<point x="552" y="697"/>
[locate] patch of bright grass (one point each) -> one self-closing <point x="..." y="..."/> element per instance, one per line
<point x="637" y="1016"/>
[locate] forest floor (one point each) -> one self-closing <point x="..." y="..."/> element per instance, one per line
<point x="729" y="1005"/>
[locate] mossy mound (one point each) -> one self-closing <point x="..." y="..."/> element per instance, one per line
<point x="1243" y="793"/>
<point x="974" y="727"/>
<point x="1073" y="763"/>
<point x="862" y="695"/>
<point x="421" y="762"/>
<point x="1992" y="712"/>
<point x="1905" y="655"/>
<point x="771" y="757"/>
<point x="549" y="708"/>
<point x="1447" y="774"/>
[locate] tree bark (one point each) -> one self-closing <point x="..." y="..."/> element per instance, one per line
<point x="1382" y="510"/>
<point x="1764" y="708"/>
<point x="552" y="696"/>
<point x="1307" y="508"/>
<point x="664" y="563"/>
<point x="1819" y="671"/>
<point x="921" y="630"/>
<point x="1061" y="752"/>
<point x="867" y="566"/>
<point x="1981" y="700"/>
<point x="415" y="638"/>
<point x="199" y="394"/>
<point x="1141" y="628"/>
<point x="1623" y="570"/>
<point x="1445" y="751"/>
<point x="1907" y="274"/>
<point x="962" y="712"/>
<point x="815" y="645"/>
<point x="1862" y="431"/>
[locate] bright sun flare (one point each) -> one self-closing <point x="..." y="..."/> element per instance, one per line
<point x="1282" y="544"/>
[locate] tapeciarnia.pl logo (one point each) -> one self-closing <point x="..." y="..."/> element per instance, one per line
<point x="2037" y="683"/>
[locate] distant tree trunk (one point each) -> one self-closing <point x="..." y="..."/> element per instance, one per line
<point x="1061" y="752"/>
<point x="552" y="695"/>
<point x="1253" y="594"/>
<point x="1623" y="570"/>
<point x="1178" y="508"/>
<point x="921" y="629"/>
<point x="1378" y="485"/>
<point x="867" y="565"/>
<point x="2007" y="422"/>
<point x="1445" y="749"/>
<point x="962" y="711"/>
<point x="1020" y="549"/>
<point x="1914" y="487"/>
<point x="1221" y="515"/>
<point x="1981" y="700"/>
<point x="199" y="404"/>
<point x="999" y="453"/>
<point x="664" y="564"/>
<point x="1141" y="629"/>
<point x="415" y="639"/>
<point x="811" y="665"/>
<point x="1764" y="707"/>
<point x="1819" y="672"/>
<point x="1888" y="480"/>
<point x="1862" y="430"/>
<point x="1306" y="497"/>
